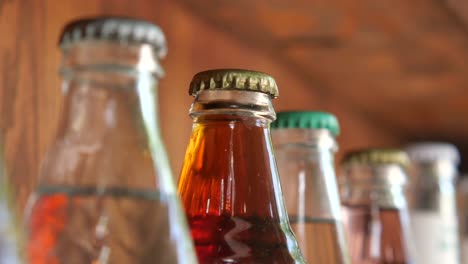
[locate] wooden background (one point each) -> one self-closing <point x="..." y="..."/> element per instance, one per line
<point x="392" y="71"/>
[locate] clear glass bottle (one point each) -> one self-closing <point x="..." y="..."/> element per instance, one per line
<point x="463" y="216"/>
<point x="105" y="192"/>
<point x="229" y="183"/>
<point x="432" y="202"/>
<point x="10" y="230"/>
<point x="305" y="145"/>
<point x="374" y="207"/>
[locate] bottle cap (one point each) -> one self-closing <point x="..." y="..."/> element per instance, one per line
<point x="233" y="79"/>
<point x="307" y="120"/>
<point x="377" y="157"/>
<point x="116" y="29"/>
<point x="433" y="151"/>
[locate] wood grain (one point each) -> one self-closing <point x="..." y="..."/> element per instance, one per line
<point x="399" y="65"/>
<point x="30" y="98"/>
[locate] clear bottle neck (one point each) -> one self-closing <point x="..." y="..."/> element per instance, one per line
<point x="306" y="164"/>
<point x="110" y="58"/>
<point x="432" y="187"/>
<point x="97" y="75"/>
<point x="430" y="174"/>
<point x="110" y="112"/>
<point x="378" y="185"/>
<point x="309" y="140"/>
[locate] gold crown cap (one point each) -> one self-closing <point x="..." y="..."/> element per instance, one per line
<point x="233" y="79"/>
<point x="377" y="156"/>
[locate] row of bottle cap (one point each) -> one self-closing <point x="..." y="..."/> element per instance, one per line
<point x="132" y="31"/>
<point x="424" y="152"/>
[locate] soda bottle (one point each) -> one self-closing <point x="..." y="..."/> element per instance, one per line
<point x="432" y="202"/>
<point x="374" y="207"/>
<point x="105" y="192"/>
<point x="229" y="183"/>
<point x="305" y="145"/>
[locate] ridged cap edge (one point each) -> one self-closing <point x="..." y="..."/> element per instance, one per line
<point x="307" y="120"/>
<point x="120" y="29"/>
<point x="377" y="156"/>
<point x="233" y="79"/>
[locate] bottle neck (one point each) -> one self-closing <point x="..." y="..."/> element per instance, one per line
<point x="110" y="83"/>
<point x="110" y="116"/>
<point x="122" y="107"/>
<point x="429" y="174"/>
<point x="229" y="167"/>
<point x="377" y="185"/>
<point x="432" y="187"/>
<point x="306" y="164"/>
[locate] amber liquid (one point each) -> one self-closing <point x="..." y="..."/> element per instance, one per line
<point x="117" y="226"/>
<point x="319" y="240"/>
<point x="376" y="236"/>
<point x="231" y="193"/>
<point x="224" y="239"/>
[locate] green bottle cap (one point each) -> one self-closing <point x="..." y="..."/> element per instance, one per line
<point x="307" y="120"/>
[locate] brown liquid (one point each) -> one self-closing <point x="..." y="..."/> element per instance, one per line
<point x="112" y="228"/>
<point x="319" y="241"/>
<point x="231" y="193"/>
<point x="376" y="236"/>
<point x="226" y="239"/>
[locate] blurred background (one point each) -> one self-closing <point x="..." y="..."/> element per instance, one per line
<point x="392" y="71"/>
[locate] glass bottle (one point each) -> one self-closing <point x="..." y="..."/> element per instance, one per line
<point x="463" y="216"/>
<point x="304" y="145"/>
<point x="432" y="202"/>
<point x="374" y="207"/>
<point x="10" y="230"/>
<point x="229" y="183"/>
<point x="105" y="192"/>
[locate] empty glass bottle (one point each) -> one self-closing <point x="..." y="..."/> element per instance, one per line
<point x="229" y="183"/>
<point x="10" y="229"/>
<point x="105" y="191"/>
<point x="304" y="145"/>
<point x="374" y="207"/>
<point x="432" y="202"/>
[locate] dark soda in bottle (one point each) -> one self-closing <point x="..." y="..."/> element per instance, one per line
<point x="229" y="183"/>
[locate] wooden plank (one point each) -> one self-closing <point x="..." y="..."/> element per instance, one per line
<point x="460" y="9"/>
<point x="380" y="59"/>
<point x="30" y="97"/>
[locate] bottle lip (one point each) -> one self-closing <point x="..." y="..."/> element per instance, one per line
<point x="426" y="152"/>
<point x="234" y="103"/>
<point x="110" y="57"/>
<point x="376" y="157"/>
<point x="374" y="176"/>
<point x="304" y="138"/>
